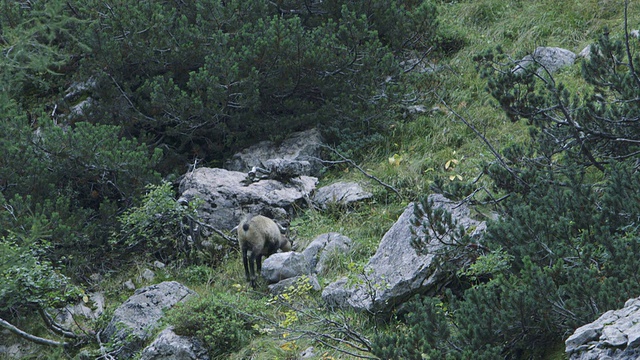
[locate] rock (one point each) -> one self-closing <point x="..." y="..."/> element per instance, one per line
<point x="280" y="266"/>
<point x="285" y="169"/>
<point x="284" y="285"/>
<point x="147" y="275"/>
<point x="169" y="346"/>
<point x="225" y="197"/>
<point x="586" y="52"/>
<point x="129" y="285"/>
<point x="549" y="58"/>
<point x="615" y="334"/>
<point x="158" y="264"/>
<point x="396" y="271"/>
<point x="308" y="353"/>
<point x="135" y="320"/>
<point x="68" y="316"/>
<point x="96" y="278"/>
<point x="13" y="347"/>
<point x="301" y="146"/>
<point x="322" y="247"/>
<point x="340" y="193"/>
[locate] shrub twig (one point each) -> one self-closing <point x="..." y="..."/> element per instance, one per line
<point x="353" y="163"/>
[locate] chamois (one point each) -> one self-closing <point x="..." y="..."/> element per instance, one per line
<point x="259" y="236"/>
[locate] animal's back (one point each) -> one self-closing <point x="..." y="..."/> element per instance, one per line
<point x="260" y="233"/>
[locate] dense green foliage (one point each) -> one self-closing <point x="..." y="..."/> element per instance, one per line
<point x="223" y="323"/>
<point x="207" y="78"/>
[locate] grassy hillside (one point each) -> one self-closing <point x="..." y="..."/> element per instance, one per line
<point x="426" y="150"/>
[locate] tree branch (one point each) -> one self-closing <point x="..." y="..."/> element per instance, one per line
<point x="352" y="163"/>
<point x="32" y="338"/>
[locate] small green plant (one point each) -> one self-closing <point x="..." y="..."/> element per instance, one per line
<point x="224" y="322"/>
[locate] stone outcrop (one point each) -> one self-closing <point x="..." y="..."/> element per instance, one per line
<point x="396" y="271"/>
<point x="614" y="335"/>
<point x="301" y="146"/>
<point x="225" y="195"/>
<point x="134" y="321"/>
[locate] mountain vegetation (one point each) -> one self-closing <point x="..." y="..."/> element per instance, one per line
<point x="104" y="104"/>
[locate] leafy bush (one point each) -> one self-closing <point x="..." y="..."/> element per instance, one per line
<point x="223" y="322"/>
<point x="160" y="226"/>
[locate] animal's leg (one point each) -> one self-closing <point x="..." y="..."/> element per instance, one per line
<point x="246" y="264"/>
<point x="252" y="271"/>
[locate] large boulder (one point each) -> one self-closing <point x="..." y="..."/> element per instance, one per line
<point x="170" y="346"/>
<point x="226" y="195"/>
<point x="549" y="58"/>
<point x="396" y="271"/>
<point x="614" y="335"/>
<point x="134" y="321"/>
<point x="301" y="146"/>
<point x="285" y="265"/>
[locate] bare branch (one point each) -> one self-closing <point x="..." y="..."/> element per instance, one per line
<point x="352" y="163"/>
<point x="32" y="338"/>
<point x="484" y="139"/>
<point x="230" y="239"/>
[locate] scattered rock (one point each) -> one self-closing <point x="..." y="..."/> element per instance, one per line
<point x="308" y="353"/>
<point x="158" y="264"/>
<point x="340" y="193"/>
<point x="147" y="275"/>
<point x="169" y="346"/>
<point x="614" y="335"/>
<point x="586" y="52"/>
<point x="129" y="285"/>
<point x="135" y="320"/>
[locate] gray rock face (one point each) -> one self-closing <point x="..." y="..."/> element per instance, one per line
<point x="614" y="335"/>
<point x="340" y="193"/>
<point x="134" y="321"/>
<point x="169" y="346"/>
<point x="302" y="146"/>
<point x="285" y="265"/>
<point x="396" y="271"/>
<point x="225" y="196"/>
<point x="549" y="58"/>
<point x="322" y="247"/>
